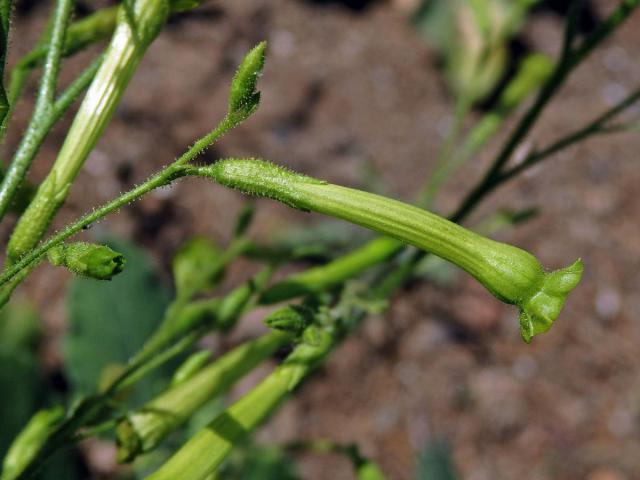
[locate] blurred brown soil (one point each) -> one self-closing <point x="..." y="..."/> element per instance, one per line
<point x="344" y="91"/>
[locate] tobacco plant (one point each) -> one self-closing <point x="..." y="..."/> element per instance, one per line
<point x="323" y="304"/>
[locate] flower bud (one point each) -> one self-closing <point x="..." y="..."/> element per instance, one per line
<point x="243" y="97"/>
<point x="88" y="260"/>
<point x="183" y="5"/>
<point x="293" y="319"/>
<point x="27" y="444"/>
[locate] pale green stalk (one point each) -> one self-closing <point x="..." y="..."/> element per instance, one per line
<point x="138" y="24"/>
<point x="5" y="13"/>
<point x="533" y="72"/>
<point x="26" y="445"/>
<point x="80" y="34"/>
<point x="243" y="102"/>
<point x="319" y="279"/>
<point x="44" y="114"/>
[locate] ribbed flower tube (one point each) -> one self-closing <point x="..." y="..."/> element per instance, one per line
<point x="142" y="430"/>
<point x="199" y="457"/>
<point x="511" y="274"/>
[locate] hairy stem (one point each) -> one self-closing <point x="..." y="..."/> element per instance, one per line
<point x="137" y="26"/>
<point x="43" y="115"/>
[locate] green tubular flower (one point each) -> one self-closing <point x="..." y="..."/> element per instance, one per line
<point x="511" y="274"/>
<point x="88" y="260"/>
<point x="138" y="23"/>
<point x="144" y="429"/>
<point x="202" y="454"/>
<point x="27" y="444"/>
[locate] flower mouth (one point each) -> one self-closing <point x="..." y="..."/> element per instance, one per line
<point x="539" y="311"/>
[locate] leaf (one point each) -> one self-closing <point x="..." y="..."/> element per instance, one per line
<point x="256" y="462"/>
<point x="435" y="463"/>
<point x="20" y="379"/>
<point x="19" y="328"/>
<point x="197" y="266"/>
<point x="110" y="321"/>
<point x="20" y="384"/>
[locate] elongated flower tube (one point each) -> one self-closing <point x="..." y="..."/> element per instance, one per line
<point x="26" y="445"/>
<point x="511" y="274"/>
<point x="143" y="429"/>
<point x="138" y="23"/>
<point x="199" y="458"/>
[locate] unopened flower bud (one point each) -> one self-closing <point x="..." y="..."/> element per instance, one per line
<point x="88" y="260"/>
<point x="243" y="97"/>
<point x="27" y="444"/>
<point x="293" y="319"/>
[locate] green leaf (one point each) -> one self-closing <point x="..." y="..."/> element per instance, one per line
<point x="243" y="222"/>
<point x="20" y="379"/>
<point x="19" y="328"/>
<point x="255" y="462"/>
<point x="110" y="321"/>
<point x="20" y="384"/>
<point x="435" y="463"/>
<point x="196" y="266"/>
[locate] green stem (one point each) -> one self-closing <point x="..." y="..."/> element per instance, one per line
<point x="597" y="126"/>
<point x="80" y="34"/>
<point x="136" y="27"/>
<point x="35" y="135"/>
<point x="176" y="170"/>
<point x="319" y="279"/>
<point x="43" y="113"/>
<point x="164" y="177"/>
<point x="568" y="62"/>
